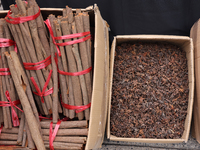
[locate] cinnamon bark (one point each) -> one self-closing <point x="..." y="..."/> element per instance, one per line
<point x="63" y="82"/>
<point x="81" y="77"/>
<point x="62" y="144"/>
<point x="16" y="32"/>
<point x="55" y="79"/>
<point x="8" y="123"/>
<point x="21" y="85"/>
<point x="24" y="139"/>
<point x="65" y="124"/>
<point x="73" y="68"/>
<point x="64" y="132"/>
<point x="67" y="139"/>
<point x="5" y="136"/>
<point x="12" y="131"/>
<point x="84" y="54"/>
<point x="21" y="129"/>
<point x="8" y="142"/>
<point x="31" y="144"/>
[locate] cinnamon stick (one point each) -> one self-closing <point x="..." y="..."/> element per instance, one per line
<point x="21" y="85"/>
<point x="13" y="130"/>
<point x="24" y="139"/>
<point x="5" y="136"/>
<point x="8" y="123"/>
<point x="73" y="68"/>
<point x="8" y="142"/>
<point x="65" y="124"/>
<point x="21" y="129"/>
<point x="31" y="144"/>
<point x="63" y="82"/>
<point x="67" y="139"/>
<point x="62" y="144"/>
<point x="64" y="132"/>
<point x="81" y="77"/>
<point x="84" y="53"/>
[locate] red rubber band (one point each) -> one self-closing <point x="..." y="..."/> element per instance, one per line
<point x="72" y="73"/>
<point x="43" y="93"/>
<point x="19" y="20"/>
<point x="4" y="71"/>
<point x="53" y="135"/>
<point x="8" y="42"/>
<point x="1" y="128"/>
<point x="77" y="108"/>
<point x="47" y="22"/>
<point x="12" y="104"/>
<point x="39" y="65"/>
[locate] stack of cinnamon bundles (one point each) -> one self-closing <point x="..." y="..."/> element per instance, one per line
<point x="48" y="75"/>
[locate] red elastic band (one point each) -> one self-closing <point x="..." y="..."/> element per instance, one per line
<point x="41" y="117"/>
<point x="8" y="42"/>
<point x="11" y="104"/>
<point x="47" y="22"/>
<point x="53" y="135"/>
<point x="19" y="20"/>
<point x="72" y="73"/>
<point x="1" y="128"/>
<point x="77" y="108"/>
<point x="39" y="65"/>
<point x="43" y="93"/>
<point x="4" y="71"/>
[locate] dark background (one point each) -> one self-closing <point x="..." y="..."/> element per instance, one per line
<point x="126" y="17"/>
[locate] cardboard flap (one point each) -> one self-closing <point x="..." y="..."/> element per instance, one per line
<point x="100" y="80"/>
<point x="194" y="34"/>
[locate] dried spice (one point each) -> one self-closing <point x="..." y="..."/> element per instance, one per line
<point x="150" y="91"/>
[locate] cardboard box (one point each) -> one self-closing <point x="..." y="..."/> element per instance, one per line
<point x="196" y="112"/>
<point x="98" y="111"/>
<point x="187" y="45"/>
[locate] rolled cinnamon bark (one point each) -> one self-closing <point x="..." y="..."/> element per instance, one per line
<point x="67" y="132"/>
<point x="21" y="85"/>
<point x="81" y="77"/>
<point x="24" y="139"/>
<point x="67" y="139"/>
<point x="10" y="137"/>
<point x="21" y="130"/>
<point x="65" y="124"/>
<point x="62" y="144"/>
<point x="8" y="142"/>
<point x="31" y="144"/>
<point x="1" y="114"/>
<point x="73" y="68"/>
<point x="84" y="53"/>
<point x="12" y="131"/>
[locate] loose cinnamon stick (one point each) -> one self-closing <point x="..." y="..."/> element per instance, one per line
<point x="65" y="124"/>
<point x="5" y="136"/>
<point x="67" y="132"/>
<point x="24" y="139"/>
<point x="67" y="139"/>
<point x="31" y="144"/>
<point x="21" y="129"/>
<point x="73" y="68"/>
<point x="12" y="131"/>
<point x="8" y="142"/>
<point x="81" y="77"/>
<point x="1" y="114"/>
<point x="62" y="144"/>
<point x="21" y="85"/>
<point x="84" y="54"/>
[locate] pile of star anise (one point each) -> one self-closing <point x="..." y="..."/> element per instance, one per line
<point x="150" y="91"/>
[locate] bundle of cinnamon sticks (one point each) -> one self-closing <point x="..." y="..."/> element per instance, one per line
<point x="45" y="81"/>
<point x="74" y="58"/>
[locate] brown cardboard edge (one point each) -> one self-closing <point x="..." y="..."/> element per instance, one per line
<point x="190" y="104"/>
<point x="97" y="128"/>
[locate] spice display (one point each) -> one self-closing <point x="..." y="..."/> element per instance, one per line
<point x="49" y="74"/>
<point x="150" y="91"/>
